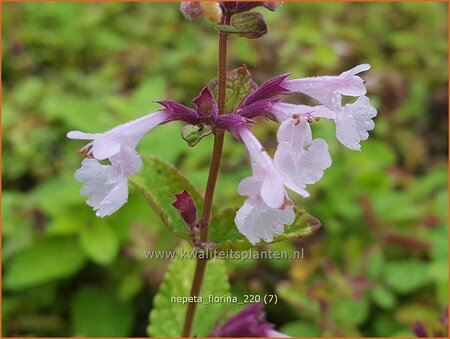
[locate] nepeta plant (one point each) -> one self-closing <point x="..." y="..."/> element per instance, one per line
<point x="230" y="103"/>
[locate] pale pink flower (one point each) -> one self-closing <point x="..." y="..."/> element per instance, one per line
<point x="257" y="221"/>
<point x="284" y="111"/>
<point x="300" y="159"/>
<point x="106" y="185"/>
<point x="352" y="120"/>
<point x="268" y="207"/>
<point x="323" y="88"/>
<point x="265" y="182"/>
<point x="107" y="191"/>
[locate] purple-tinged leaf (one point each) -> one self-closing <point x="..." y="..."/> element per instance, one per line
<point x="239" y="84"/>
<point x="250" y="25"/>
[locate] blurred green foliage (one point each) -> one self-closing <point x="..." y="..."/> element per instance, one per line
<point x="380" y="261"/>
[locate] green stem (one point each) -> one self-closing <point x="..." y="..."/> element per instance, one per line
<point x="212" y="179"/>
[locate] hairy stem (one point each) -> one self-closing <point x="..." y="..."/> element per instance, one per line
<point x="212" y="179"/>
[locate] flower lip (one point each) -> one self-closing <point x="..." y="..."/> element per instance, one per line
<point x="106" y="192"/>
<point x="300" y="159"/>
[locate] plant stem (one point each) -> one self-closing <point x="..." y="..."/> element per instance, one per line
<point x="212" y="179"/>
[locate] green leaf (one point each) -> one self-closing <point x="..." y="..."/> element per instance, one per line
<point x="97" y="312"/>
<point x="100" y="242"/>
<point x="375" y="263"/>
<point x="44" y="261"/>
<point x="296" y="295"/>
<point x="167" y="316"/>
<point x="350" y="311"/>
<point x="193" y="134"/>
<point x="300" y="329"/>
<point x="239" y="84"/>
<point x="129" y="285"/>
<point x="383" y="296"/>
<point x="406" y="276"/>
<point x="159" y="181"/>
<point x="55" y="195"/>
<point x="224" y="233"/>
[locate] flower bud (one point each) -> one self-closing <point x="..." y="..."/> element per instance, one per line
<point x="191" y="10"/>
<point x="186" y="206"/>
<point x="272" y="5"/>
<point x="211" y="10"/>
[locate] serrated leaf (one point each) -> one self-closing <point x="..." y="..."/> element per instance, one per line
<point x="167" y="317"/>
<point x="159" y="181"/>
<point x="224" y="233"/>
<point x="44" y="261"/>
<point x="239" y="84"/>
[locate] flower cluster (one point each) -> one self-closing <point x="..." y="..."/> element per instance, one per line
<point x="299" y="159"/>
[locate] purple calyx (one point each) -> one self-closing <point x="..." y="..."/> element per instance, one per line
<point x="258" y="102"/>
<point x="250" y="322"/>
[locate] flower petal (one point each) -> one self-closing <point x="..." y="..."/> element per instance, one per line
<point x="265" y="176"/>
<point x="249" y="186"/>
<point x="106" y="192"/>
<point x="298" y="158"/>
<point x="115" y="199"/>
<point x="357" y="69"/>
<point x="82" y="136"/>
<point x="353" y="122"/>
<point x="109" y="143"/>
<point x="283" y="111"/>
<point x="322" y="88"/>
<point x="257" y="221"/>
<point x="126" y="162"/>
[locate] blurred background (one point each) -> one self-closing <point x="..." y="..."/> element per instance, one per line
<point x="378" y="264"/>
